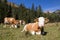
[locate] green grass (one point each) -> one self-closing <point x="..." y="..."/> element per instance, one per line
<point x="52" y="29"/>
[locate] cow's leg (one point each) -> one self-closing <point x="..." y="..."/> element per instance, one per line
<point x="12" y="26"/>
<point x="24" y="29"/>
<point x="4" y="26"/>
<point x="5" y="23"/>
<point x="15" y="26"/>
<point x="33" y="32"/>
<point x="42" y="30"/>
<point x="38" y="33"/>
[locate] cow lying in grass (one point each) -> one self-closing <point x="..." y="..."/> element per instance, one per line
<point x="35" y="28"/>
<point x="12" y="21"/>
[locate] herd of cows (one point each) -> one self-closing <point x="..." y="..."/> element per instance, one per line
<point x="13" y="22"/>
<point x="34" y="28"/>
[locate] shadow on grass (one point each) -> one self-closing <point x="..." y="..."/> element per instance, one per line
<point x="44" y="33"/>
<point x="28" y="34"/>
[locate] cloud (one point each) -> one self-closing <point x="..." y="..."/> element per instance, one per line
<point x="52" y="8"/>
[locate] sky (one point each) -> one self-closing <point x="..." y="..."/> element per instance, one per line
<point x="46" y="5"/>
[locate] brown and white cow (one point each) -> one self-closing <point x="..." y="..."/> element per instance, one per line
<point x="22" y="22"/>
<point x="12" y="21"/>
<point x="35" y="28"/>
<point x="15" y="24"/>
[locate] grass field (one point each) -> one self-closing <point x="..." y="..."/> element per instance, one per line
<point x="52" y="29"/>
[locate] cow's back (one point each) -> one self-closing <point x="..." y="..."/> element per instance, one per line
<point x="9" y="20"/>
<point x="29" y="27"/>
<point x="32" y="27"/>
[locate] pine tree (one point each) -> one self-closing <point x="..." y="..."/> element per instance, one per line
<point x="39" y="11"/>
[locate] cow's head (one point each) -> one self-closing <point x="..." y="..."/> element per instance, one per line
<point x="46" y="20"/>
<point x="36" y="20"/>
<point x="22" y="22"/>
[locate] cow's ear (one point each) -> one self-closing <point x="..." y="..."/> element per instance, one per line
<point x="36" y="20"/>
<point x="46" y="20"/>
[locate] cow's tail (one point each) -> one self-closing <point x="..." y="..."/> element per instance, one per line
<point x="24" y="29"/>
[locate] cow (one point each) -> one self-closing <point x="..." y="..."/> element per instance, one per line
<point x="32" y="28"/>
<point x="16" y="24"/>
<point x="36" y="27"/>
<point x="12" y="21"/>
<point x="22" y="22"/>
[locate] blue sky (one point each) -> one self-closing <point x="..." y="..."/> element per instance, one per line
<point x="47" y="5"/>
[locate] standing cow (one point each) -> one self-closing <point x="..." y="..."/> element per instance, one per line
<point x="22" y="22"/>
<point x="12" y="21"/>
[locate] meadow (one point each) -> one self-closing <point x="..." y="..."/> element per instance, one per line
<point x="52" y="29"/>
